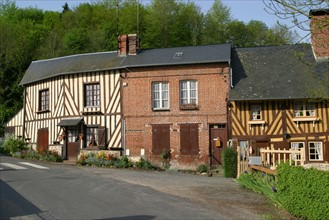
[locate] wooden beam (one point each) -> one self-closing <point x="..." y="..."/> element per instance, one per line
<point x="263" y="169"/>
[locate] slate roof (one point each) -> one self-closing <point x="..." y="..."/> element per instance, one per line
<point x="277" y="72"/>
<point x="45" y="69"/>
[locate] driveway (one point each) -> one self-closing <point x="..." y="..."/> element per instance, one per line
<point x="216" y="193"/>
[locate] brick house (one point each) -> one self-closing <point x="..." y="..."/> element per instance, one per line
<point x="175" y="102"/>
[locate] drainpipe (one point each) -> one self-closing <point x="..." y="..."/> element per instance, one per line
<point x="123" y="137"/>
<point x="24" y="113"/>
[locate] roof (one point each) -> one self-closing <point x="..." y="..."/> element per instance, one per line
<point x="317" y="12"/>
<point x="277" y="72"/>
<point x="180" y="56"/>
<point x="69" y="122"/>
<point x="45" y="69"/>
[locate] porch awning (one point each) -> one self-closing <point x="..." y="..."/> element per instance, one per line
<point x="69" y="122"/>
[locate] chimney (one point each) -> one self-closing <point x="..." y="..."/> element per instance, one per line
<point x="128" y="44"/>
<point x="123" y="45"/>
<point x="320" y="33"/>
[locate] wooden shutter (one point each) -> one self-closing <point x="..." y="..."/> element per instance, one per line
<point x="42" y="139"/>
<point x="101" y="137"/>
<point x="189" y="139"/>
<point x="160" y="138"/>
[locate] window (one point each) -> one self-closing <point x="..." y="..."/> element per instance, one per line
<point x="160" y="139"/>
<point x="44" y="100"/>
<point x="315" y="150"/>
<point x="189" y="139"/>
<point x="72" y="134"/>
<point x="160" y="95"/>
<point x="256" y="112"/>
<point x="91" y="136"/>
<point x="92" y="95"/>
<point x="296" y="146"/>
<point x="304" y="109"/>
<point x="244" y="147"/>
<point x="189" y="92"/>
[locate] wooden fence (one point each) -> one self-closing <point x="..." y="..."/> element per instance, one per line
<point x="269" y="158"/>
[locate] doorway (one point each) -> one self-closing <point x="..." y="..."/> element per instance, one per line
<point x="218" y="141"/>
<point x="73" y="142"/>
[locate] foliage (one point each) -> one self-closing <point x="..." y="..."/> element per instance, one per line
<point x="100" y="159"/>
<point x="260" y="182"/>
<point x="202" y="168"/>
<point x="11" y="144"/>
<point x="45" y="155"/>
<point x="230" y="162"/>
<point x="144" y="164"/>
<point x="304" y="192"/>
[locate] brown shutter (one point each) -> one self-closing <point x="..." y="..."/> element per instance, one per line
<point x="185" y="138"/>
<point x="42" y="139"/>
<point x="101" y="137"/>
<point x="160" y="138"/>
<point x="194" y="139"/>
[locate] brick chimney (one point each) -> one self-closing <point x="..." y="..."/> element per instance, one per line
<point x="128" y="44"/>
<point x="320" y="33"/>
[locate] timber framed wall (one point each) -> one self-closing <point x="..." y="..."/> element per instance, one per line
<point x="280" y="127"/>
<point x="66" y="100"/>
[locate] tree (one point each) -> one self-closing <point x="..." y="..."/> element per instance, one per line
<point x="216" y="23"/>
<point x="296" y="11"/>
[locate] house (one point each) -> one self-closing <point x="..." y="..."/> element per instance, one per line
<point x="139" y="103"/>
<point x="71" y="103"/>
<point x="175" y="104"/>
<point x="279" y="97"/>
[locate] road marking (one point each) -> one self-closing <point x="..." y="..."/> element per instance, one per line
<point x="13" y="166"/>
<point x="34" y="165"/>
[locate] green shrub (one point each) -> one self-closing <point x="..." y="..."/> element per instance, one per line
<point x="304" y="192"/>
<point x="11" y="144"/>
<point x="260" y="182"/>
<point x="202" y="168"/>
<point x="144" y="164"/>
<point x="229" y="162"/>
<point x="123" y="162"/>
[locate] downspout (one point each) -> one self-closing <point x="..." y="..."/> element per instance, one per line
<point x="24" y="113"/>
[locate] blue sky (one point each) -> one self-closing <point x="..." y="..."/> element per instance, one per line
<point x="243" y="10"/>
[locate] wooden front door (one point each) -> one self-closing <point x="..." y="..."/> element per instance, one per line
<point x="73" y="143"/>
<point x="218" y="140"/>
<point x="42" y="139"/>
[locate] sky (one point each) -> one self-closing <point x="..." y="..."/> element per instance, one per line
<point x="242" y="10"/>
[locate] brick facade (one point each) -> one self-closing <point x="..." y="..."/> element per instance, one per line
<point x="213" y="85"/>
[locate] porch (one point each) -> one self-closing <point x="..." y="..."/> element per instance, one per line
<point x="268" y="160"/>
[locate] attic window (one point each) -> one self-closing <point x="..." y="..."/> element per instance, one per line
<point x="178" y="55"/>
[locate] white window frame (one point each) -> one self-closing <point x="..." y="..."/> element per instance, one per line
<point x="189" y="99"/>
<point x="318" y="150"/>
<point x="304" y="109"/>
<point x="297" y="146"/>
<point x="162" y="100"/>
<point x="256" y="111"/>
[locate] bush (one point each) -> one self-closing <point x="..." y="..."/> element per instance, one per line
<point x="202" y="168"/>
<point x="45" y="155"/>
<point x="144" y="164"/>
<point x="304" y="192"/>
<point x="11" y="144"/>
<point x="229" y="162"/>
<point x="123" y="162"/>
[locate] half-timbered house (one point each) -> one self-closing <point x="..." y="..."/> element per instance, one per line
<point x="279" y="96"/>
<point x="272" y="102"/>
<point x="71" y="103"/>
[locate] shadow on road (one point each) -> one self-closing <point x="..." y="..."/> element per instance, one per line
<point x="12" y="204"/>
<point x="132" y="217"/>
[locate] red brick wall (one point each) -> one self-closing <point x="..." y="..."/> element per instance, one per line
<point x="213" y="85"/>
<point x="320" y="35"/>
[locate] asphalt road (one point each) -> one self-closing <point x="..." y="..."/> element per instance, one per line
<point x="58" y="191"/>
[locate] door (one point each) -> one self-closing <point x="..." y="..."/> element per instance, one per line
<point x="42" y="139"/>
<point x="73" y="144"/>
<point x="218" y="140"/>
<point x="257" y="146"/>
